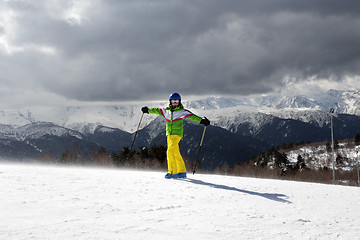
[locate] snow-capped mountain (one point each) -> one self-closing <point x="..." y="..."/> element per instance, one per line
<point x="84" y="119"/>
<point x="257" y="111"/>
<point x="36" y="130"/>
<point x="221" y="111"/>
<point x="35" y="139"/>
<point x="261" y="121"/>
<point x="260" y="110"/>
<point x="252" y="122"/>
<point x="214" y="103"/>
<point x="285" y="102"/>
<point x="346" y="102"/>
<point x="297" y="102"/>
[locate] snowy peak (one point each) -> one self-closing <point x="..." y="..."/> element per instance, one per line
<point x="253" y="120"/>
<point x="277" y="102"/>
<point x="213" y="103"/>
<point x="84" y="119"/>
<point x="14" y="117"/>
<point x="35" y="131"/>
<point x="343" y="101"/>
<point x="297" y="102"/>
<point x="222" y="111"/>
<point x="347" y="102"/>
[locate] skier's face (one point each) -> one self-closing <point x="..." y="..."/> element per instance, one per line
<point x="175" y="103"/>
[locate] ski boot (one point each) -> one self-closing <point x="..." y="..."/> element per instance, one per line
<point x="182" y="175"/>
<point x="169" y="176"/>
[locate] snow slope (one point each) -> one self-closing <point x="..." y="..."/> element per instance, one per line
<point x="49" y="202"/>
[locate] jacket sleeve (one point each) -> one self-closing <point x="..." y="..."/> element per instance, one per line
<point x="195" y="118"/>
<point x="155" y="111"/>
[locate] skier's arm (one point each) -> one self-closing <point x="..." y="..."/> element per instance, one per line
<point x="198" y="119"/>
<point x="155" y="111"/>
<point x="195" y="118"/>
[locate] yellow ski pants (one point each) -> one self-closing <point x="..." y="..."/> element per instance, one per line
<point x="175" y="161"/>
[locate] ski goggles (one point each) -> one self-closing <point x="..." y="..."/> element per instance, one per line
<point x="175" y="101"/>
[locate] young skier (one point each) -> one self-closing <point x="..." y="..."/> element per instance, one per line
<point x="174" y="115"/>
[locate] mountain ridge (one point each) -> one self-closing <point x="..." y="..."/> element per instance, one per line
<point x="277" y="120"/>
<point x="86" y="119"/>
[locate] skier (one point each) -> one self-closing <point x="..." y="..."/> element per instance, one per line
<point x="174" y="115"/>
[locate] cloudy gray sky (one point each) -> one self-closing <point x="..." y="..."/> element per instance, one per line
<point x="115" y="50"/>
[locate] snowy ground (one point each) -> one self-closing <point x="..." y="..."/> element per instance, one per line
<point x="53" y="202"/>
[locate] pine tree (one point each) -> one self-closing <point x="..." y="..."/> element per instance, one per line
<point x="47" y="158"/>
<point x="357" y="139"/>
<point x="144" y="152"/>
<point x="100" y="157"/>
<point x="120" y="159"/>
<point x="328" y="146"/>
<point x="339" y="159"/>
<point x="158" y="152"/>
<point x="71" y="155"/>
<point x="300" y="164"/>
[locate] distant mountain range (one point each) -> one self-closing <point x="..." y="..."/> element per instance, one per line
<point x="240" y="127"/>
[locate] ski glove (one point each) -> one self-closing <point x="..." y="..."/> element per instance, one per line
<point x="205" y="121"/>
<point x="145" y="110"/>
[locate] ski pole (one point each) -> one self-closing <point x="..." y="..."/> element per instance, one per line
<point x="136" y="132"/>
<point x="201" y="142"/>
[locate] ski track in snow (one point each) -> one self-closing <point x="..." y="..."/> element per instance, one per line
<point x="56" y="202"/>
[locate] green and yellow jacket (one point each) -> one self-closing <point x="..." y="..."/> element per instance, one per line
<point x="174" y="118"/>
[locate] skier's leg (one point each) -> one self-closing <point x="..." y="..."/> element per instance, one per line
<point x="179" y="160"/>
<point x="171" y="144"/>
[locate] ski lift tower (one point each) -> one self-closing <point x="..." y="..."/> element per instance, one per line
<point x="332" y="111"/>
<point x="357" y="165"/>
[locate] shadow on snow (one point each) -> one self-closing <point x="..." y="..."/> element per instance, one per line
<point x="272" y="196"/>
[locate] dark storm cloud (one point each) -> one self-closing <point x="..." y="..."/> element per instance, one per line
<point x="130" y="50"/>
